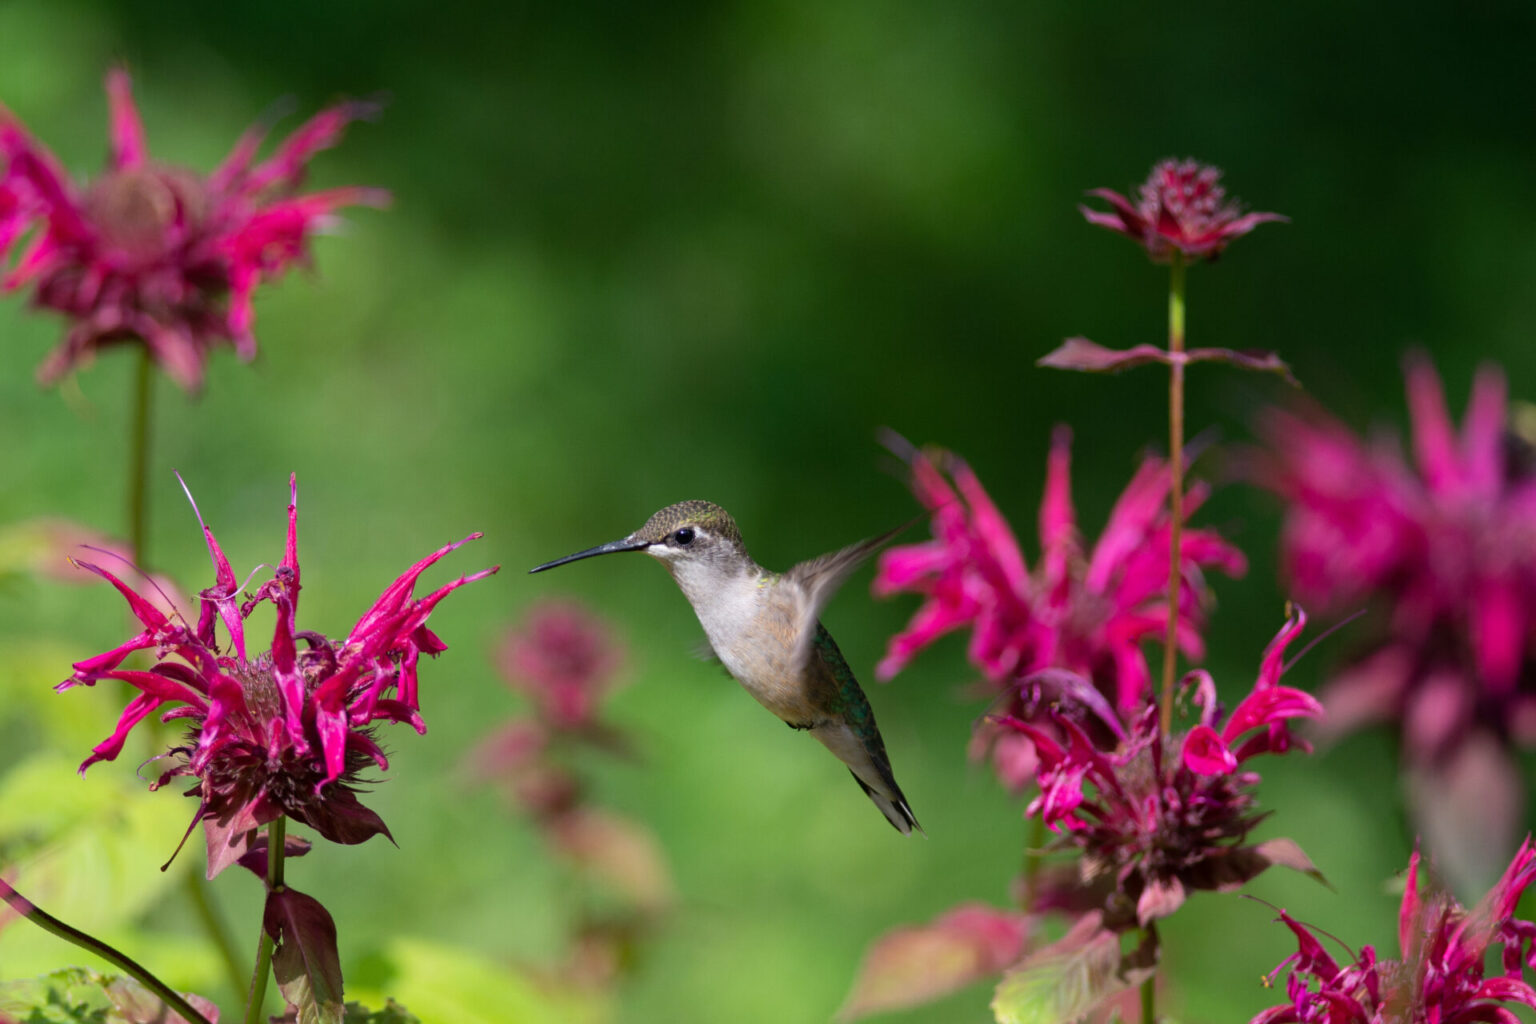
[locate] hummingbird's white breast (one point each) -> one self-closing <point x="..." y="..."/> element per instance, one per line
<point x="749" y="631"/>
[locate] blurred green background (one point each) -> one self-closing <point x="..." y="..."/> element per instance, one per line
<point x="654" y="252"/>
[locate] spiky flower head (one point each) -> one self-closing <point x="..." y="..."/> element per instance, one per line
<point x="285" y="731"/>
<point x="156" y="255"/>
<point x="1152" y="825"/>
<point x="1085" y="612"/>
<point x="1442" y="975"/>
<point x="1181" y="207"/>
<point x="1442" y="550"/>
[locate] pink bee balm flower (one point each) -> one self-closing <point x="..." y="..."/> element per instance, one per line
<point x="565" y="658"/>
<point x="155" y="254"/>
<point x="1085" y="612"/>
<point x="285" y="731"/>
<point x="1182" y="206"/>
<point x="1150" y="827"/>
<point x="1442" y="551"/>
<point x="1442" y="977"/>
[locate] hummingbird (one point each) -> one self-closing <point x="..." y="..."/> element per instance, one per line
<point x="764" y="627"/>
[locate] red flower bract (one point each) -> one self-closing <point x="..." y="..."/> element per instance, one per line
<point x="1181" y="206"/>
<point x="1441" y="976"/>
<point x="286" y="731"/>
<point x="157" y="254"/>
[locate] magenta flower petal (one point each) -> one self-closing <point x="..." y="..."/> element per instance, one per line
<point x="1205" y="753"/>
<point x="1089" y="617"/>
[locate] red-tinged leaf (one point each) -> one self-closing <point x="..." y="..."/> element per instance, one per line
<point x="76" y="994"/>
<point x="138" y="1005"/>
<point x="1232" y="868"/>
<point x="1071" y="977"/>
<point x="1091" y="357"/>
<point x="230" y="841"/>
<point x="1288" y="854"/>
<point x="306" y="963"/>
<point x="1159" y="899"/>
<point x="917" y="964"/>
<point x="618" y="853"/>
<point x="342" y="818"/>
<point x="255" y="859"/>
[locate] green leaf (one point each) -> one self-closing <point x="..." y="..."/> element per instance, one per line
<point x="392" y="1013"/>
<point x="449" y="983"/>
<point x="306" y="962"/>
<point x="76" y="995"/>
<point x="88" y="850"/>
<point x="1068" y="979"/>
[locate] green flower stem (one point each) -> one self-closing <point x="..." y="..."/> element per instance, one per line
<point x="1176" y="481"/>
<point x="1149" y="1000"/>
<point x="213" y="924"/>
<point x="48" y="923"/>
<point x="138" y="458"/>
<point x="1033" y="842"/>
<point x="276" y="835"/>
<point x="139" y="435"/>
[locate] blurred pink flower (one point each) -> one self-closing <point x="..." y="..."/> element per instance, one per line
<point x="1443" y="551"/>
<point x="1086" y="612"/>
<point x="1182" y="206"/>
<point x="1151" y="828"/>
<point x="160" y="255"/>
<point x="283" y="732"/>
<point x="565" y="658"/>
<point x="1441" y="978"/>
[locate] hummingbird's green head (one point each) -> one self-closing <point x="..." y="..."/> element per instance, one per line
<point x="697" y="532"/>
<point x="693" y="517"/>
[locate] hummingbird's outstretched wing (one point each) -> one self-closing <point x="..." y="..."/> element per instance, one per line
<point x="818" y="579"/>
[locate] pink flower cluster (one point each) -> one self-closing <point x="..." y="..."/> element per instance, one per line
<point x="1181" y="207"/>
<point x="1152" y="828"/>
<point x="1441" y="551"/>
<point x="160" y="255"/>
<point x="283" y="732"/>
<point x="1085" y="612"/>
<point x="1442" y="976"/>
<point x="565" y="659"/>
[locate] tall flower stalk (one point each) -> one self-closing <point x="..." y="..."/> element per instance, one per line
<point x="1176" y="470"/>
<point x="162" y="259"/>
<point x="1183" y="214"/>
<point x="1150" y="814"/>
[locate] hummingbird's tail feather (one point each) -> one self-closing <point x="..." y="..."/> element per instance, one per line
<point x="895" y="810"/>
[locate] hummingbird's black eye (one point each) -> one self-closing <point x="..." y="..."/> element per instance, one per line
<point x="684" y="537"/>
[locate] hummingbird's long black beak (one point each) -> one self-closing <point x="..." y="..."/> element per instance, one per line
<point x="602" y="549"/>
